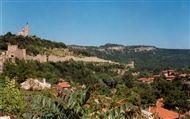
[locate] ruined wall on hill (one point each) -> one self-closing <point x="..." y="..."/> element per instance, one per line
<point x="13" y="52"/>
<point x="131" y="64"/>
<point x="40" y="58"/>
<point x="20" y="53"/>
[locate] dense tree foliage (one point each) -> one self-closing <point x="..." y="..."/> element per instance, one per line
<point x="33" y="45"/>
<point x="23" y="70"/>
<point x="72" y="105"/>
<point x="110" y="83"/>
<point x="81" y="52"/>
<point x="172" y="93"/>
<point x="79" y="72"/>
<point x="11" y="100"/>
<point x="106" y="88"/>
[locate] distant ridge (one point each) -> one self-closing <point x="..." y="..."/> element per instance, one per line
<point x="144" y="56"/>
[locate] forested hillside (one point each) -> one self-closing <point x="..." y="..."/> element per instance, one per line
<point x="33" y="45"/>
<point x="145" y="57"/>
<point x="106" y="94"/>
<point x="111" y="89"/>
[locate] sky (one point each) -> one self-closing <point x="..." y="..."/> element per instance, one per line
<point x="160" y="23"/>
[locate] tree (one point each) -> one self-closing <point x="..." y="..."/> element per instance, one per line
<point x="172" y="94"/>
<point x="75" y="106"/>
<point x="11" y="101"/>
<point x="128" y="79"/>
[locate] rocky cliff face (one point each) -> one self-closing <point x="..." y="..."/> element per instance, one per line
<point x="110" y="48"/>
<point x="143" y="48"/>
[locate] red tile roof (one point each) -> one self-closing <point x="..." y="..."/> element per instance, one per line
<point x="170" y="78"/>
<point x="64" y="84"/>
<point x="183" y="75"/>
<point x="150" y="79"/>
<point x="164" y="113"/>
<point x="165" y="71"/>
<point x="142" y="79"/>
<point x="169" y="72"/>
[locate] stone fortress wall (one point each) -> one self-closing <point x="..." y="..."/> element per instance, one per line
<point x="14" y="52"/>
<point x="40" y="58"/>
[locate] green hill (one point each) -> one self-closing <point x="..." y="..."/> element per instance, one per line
<point x="111" y="89"/>
<point x="145" y="57"/>
<point x="33" y="44"/>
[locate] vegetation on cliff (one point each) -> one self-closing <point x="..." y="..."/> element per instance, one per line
<point x="145" y="57"/>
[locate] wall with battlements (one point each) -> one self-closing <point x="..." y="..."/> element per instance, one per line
<point x="13" y="51"/>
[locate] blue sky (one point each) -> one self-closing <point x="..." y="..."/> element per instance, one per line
<point x="164" y="24"/>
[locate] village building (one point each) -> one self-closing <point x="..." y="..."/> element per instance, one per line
<point x="149" y="80"/>
<point x="168" y="72"/>
<point x="162" y="112"/>
<point x="183" y="76"/>
<point x="170" y="78"/>
<point x="64" y="84"/>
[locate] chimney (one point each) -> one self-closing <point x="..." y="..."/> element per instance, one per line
<point x="44" y="80"/>
<point x="157" y="106"/>
<point x="149" y="108"/>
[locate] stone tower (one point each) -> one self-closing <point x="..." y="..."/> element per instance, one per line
<point x="25" y="31"/>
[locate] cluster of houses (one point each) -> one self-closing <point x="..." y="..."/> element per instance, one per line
<point x="169" y="74"/>
<point x="161" y="112"/>
<point x="158" y="109"/>
<point x="63" y="86"/>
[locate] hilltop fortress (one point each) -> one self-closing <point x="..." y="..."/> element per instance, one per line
<point x="14" y="52"/>
<point x="25" y="31"/>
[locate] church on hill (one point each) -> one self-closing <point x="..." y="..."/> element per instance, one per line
<point x="25" y="31"/>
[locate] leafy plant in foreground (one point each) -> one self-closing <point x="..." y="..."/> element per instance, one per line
<point x="11" y="101"/>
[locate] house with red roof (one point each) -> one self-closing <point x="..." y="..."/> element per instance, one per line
<point x="183" y="76"/>
<point x="162" y="112"/>
<point x="149" y="80"/>
<point x="168" y="72"/>
<point x="142" y="79"/>
<point x="64" y="84"/>
<point x="62" y="87"/>
<point x="170" y="78"/>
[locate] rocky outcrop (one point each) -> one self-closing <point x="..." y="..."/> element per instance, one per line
<point x="148" y="48"/>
